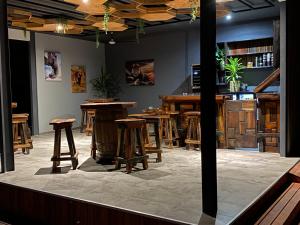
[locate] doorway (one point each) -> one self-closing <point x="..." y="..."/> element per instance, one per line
<point x="20" y="77"/>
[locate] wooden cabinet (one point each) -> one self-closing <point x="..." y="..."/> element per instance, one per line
<point x="241" y="124"/>
<point x="269" y="122"/>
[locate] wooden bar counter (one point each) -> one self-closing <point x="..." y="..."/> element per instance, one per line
<point x="104" y="137"/>
<point x="183" y="103"/>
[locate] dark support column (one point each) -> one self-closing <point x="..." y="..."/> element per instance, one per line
<point x="283" y="79"/>
<point x="6" y="148"/>
<point x="208" y="106"/>
<point x="292" y="79"/>
<point x="34" y="98"/>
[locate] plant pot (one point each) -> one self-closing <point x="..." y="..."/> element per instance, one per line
<point x="234" y="86"/>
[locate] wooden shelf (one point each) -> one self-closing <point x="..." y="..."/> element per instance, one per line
<point x="250" y="53"/>
<point x="258" y="67"/>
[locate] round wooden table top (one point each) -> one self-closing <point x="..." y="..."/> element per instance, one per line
<point x="91" y="105"/>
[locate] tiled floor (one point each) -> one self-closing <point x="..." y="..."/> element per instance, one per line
<point x="170" y="189"/>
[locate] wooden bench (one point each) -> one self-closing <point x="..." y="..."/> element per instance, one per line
<point x="285" y="209"/>
<point x="279" y="205"/>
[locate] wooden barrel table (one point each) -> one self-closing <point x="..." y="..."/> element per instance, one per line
<point x="104" y="137"/>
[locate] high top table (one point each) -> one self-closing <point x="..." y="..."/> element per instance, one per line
<point x="104" y="137"/>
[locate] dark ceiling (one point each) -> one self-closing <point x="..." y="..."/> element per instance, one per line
<point x="58" y="8"/>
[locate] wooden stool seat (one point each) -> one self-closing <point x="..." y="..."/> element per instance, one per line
<point x="58" y="125"/>
<point x="131" y="148"/>
<point x="193" y="136"/>
<point x="21" y="133"/>
<point x="192" y="113"/>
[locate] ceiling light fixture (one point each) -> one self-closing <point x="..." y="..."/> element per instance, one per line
<point x="85" y="1"/>
<point x="228" y="17"/>
<point x="112" y="41"/>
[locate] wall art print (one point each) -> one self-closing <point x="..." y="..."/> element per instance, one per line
<point x="140" y="72"/>
<point x="52" y="66"/>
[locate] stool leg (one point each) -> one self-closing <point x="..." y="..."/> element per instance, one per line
<point x="56" y="152"/>
<point x="142" y="148"/>
<point x="189" y="133"/>
<point x="23" y="137"/>
<point x="199" y="132"/>
<point x="128" y="148"/>
<point x="82" y="120"/>
<point x="174" y="123"/>
<point x="93" y="144"/>
<point x="157" y="140"/>
<point x="170" y="134"/>
<point x="120" y="148"/>
<point x="15" y="135"/>
<point x="72" y="148"/>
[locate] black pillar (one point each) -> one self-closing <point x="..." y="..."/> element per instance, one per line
<point x="292" y="79"/>
<point x="208" y="106"/>
<point x="6" y="148"/>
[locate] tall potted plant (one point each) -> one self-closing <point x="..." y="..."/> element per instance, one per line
<point x="105" y="85"/>
<point x="234" y="70"/>
<point x="220" y="59"/>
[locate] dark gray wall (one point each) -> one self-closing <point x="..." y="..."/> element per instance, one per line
<point x="168" y="51"/>
<point x="174" y="53"/>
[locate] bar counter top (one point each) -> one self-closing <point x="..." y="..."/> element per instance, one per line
<point x="188" y="98"/>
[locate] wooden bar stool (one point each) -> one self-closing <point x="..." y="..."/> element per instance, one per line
<point x="21" y="133"/>
<point x="149" y="146"/>
<point x="193" y="136"/>
<point x="90" y="121"/>
<point x="58" y="125"/>
<point x="168" y="128"/>
<point x="130" y="144"/>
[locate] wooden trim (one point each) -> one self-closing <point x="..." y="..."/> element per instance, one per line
<point x="268" y="81"/>
<point x="21" y="205"/>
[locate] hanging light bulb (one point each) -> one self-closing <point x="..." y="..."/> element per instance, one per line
<point x="59" y="28"/>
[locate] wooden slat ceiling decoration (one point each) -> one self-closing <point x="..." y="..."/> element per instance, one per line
<point x="86" y="16"/>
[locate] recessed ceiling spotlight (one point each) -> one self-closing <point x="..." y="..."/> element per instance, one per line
<point x="112" y="41"/>
<point x="228" y="17"/>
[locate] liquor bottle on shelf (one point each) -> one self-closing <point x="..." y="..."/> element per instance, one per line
<point x="260" y="61"/>
<point x="264" y="56"/>
<point x="272" y="59"/>
<point x="269" y="59"/>
<point x="256" y="61"/>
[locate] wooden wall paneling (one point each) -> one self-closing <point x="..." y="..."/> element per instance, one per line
<point x="241" y="124"/>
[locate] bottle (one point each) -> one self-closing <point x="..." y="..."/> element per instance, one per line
<point x="269" y="59"/>
<point x="256" y="61"/>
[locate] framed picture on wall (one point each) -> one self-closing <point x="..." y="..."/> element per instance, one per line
<point x="140" y="72"/>
<point x="52" y="66"/>
<point x="78" y="79"/>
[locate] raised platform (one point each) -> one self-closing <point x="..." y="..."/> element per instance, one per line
<point x="170" y="190"/>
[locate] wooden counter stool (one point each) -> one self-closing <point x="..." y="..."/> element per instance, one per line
<point x="193" y="136"/>
<point x="21" y="133"/>
<point x="168" y="128"/>
<point x="130" y="144"/>
<point x="58" y="125"/>
<point x="90" y="121"/>
<point x="149" y="146"/>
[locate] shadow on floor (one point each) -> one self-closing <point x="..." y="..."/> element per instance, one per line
<point x="90" y="165"/>
<point x="47" y="171"/>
